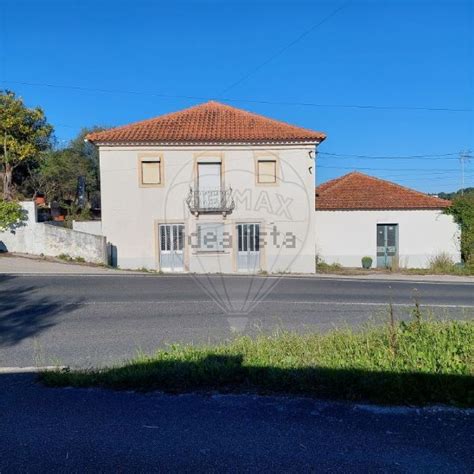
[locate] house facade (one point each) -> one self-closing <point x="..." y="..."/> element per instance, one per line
<point x="209" y="189"/>
<point x="359" y="215"/>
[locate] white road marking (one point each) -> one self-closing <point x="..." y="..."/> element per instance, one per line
<point x="279" y="302"/>
<point x="315" y="277"/>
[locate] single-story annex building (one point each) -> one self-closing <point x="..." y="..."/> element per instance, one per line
<point x="359" y="215"/>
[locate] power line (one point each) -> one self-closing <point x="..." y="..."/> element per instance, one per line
<point x="250" y="101"/>
<point x="285" y="48"/>
<point x="441" y="170"/>
<point x="440" y="156"/>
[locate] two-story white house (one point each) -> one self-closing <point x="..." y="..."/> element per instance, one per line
<point x="211" y="188"/>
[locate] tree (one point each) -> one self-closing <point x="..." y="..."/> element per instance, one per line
<point x="11" y="214"/>
<point x="462" y="209"/>
<point x="455" y="194"/>
<point x="58" y="174"/>
<point x="24" y="134"/>
<point x="90" y="152"/>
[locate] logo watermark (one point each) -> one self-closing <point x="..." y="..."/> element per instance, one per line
<point x="237" y="238"/>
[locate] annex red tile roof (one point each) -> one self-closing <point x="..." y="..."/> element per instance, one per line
<point x="355" y="191"/>
<point x="208" y="122"/>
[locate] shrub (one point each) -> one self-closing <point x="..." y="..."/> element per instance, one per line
<point x="442" y="263"/>
<point x="366" y="262"/>
<point x="11" y="214"/>
<point x="462" y="210"/>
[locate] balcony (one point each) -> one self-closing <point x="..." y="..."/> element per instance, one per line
<point x="210" y="201"/>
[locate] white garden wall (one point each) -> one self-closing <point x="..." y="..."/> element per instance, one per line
<point x="345" y="237"/>
<point x="39" y="238"/>
<point x="89" y="227"/>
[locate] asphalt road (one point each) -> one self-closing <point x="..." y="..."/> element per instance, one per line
<point x="76" y="430"/>
<point x="84" y="320"/>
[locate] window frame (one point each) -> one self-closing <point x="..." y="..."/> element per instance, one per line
<point x="150" y="158"/>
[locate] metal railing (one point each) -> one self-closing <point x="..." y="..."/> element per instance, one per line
<point x="210" y="200"/>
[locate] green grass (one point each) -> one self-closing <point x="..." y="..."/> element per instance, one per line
<point x="67" y="258"/>
<point x="419" y="362"/>
<point x="440" y="264"/>
<point x="323" y="267"/>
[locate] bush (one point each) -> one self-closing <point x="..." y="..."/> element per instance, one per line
<point x="442" y="263"/>
<point x="11" y="214"/>
<point x="462" y="210"/>
<point x="366" y="262"/>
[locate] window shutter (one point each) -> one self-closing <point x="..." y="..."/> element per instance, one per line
<point x="151" y="172"/>
<point x="266" y="171"/>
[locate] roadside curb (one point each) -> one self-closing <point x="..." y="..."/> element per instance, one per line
<point x="31" y="370"/>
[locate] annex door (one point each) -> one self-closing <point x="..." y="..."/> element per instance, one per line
<point x="171" y="247"/>
<point x="387" y="244"/>
<point x="248" y="248"/>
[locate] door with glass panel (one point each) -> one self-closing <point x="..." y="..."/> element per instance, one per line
<point x="387" y="244"/>
<point x="248" y="248"/>
<point x="171" y="247"/>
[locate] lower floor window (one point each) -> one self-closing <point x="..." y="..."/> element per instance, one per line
<point x="210" y="237"/>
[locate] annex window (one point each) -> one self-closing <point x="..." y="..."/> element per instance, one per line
<point x="210" y="237"/>
<point x="266" y="171"/>
<point x="150" y="171"/>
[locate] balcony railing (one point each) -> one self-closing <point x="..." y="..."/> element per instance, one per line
<point x="210" y="200"/>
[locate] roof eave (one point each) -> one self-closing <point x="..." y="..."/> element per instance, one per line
<point x="425" y="208"/>
<point x="203" y="143"/>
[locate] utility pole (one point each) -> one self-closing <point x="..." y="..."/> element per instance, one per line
<point x="464" y="157"/>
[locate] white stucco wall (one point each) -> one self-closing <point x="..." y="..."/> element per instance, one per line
<point x="131" y="214"/>
<point x="89" y="227"/>
<point x="40" y="238"/>
<point x="345" y="237"/>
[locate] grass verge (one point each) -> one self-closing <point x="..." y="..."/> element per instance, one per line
<point x="417" y="362"/>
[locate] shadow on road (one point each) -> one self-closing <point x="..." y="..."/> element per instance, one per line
<point x="228" y="373"/>
<point x="23" y="312"/>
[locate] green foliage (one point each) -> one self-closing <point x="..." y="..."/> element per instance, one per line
<point x="366" y="262"/>
<point x="323" y="267"/>
<point x="67" y="258"/>
<point x="420" y="362"/>
<point x="24" y="135"/>
<point x="442" y="263"/>
<point x="57" y="176"/>
<point x="462" y="209"/>
<point x="456" y="194"/>
<point x="11" y="214"/>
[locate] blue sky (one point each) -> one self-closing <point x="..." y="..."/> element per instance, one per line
<point x="119" y="62"/>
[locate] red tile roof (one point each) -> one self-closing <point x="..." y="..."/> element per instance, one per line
<point x="358" y="191"/>
<point x="209" y="122"/>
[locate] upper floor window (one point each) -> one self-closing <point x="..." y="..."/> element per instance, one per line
<point x="266" y="171"/>
<point x="151" y="172"/>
